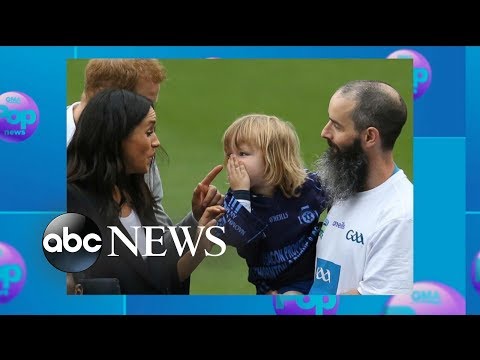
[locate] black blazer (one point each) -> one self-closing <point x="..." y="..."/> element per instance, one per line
<point x="155" y="275"/>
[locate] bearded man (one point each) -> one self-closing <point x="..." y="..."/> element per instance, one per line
<point x="365" y="245"/>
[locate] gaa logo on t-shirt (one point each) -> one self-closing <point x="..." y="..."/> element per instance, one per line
<point x="327" y="275"/>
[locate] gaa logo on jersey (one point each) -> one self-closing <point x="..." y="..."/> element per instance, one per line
<point x="307" y="216"/>
<point x="427" y="298"/>
<point x="19" y="116"/>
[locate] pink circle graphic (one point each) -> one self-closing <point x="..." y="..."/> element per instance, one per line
<point x="305" y="304"/>
<point x="19" y="116"/>
<point x="12" y="272"/>
<point x="427" y="298"/>
<point x="475" y="272"/>
<point x="422" y="72"/>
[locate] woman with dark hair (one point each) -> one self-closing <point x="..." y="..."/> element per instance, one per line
<point x="111" y="150"/>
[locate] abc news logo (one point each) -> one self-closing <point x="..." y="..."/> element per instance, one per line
<point x="72" y="242"/>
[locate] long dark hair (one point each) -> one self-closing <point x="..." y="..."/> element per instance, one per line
<point x="94" y="155"/>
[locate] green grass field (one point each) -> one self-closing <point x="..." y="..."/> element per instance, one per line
<point x="202" y="97"/>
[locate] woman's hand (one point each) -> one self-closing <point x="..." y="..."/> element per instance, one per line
<point x="205" y="194"/>
<point x="188" y="262"/>
<point x="208" y="219"/>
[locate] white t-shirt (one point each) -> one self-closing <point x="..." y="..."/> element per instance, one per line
<point x="70" y="121"/>
<point x="366" y="242"/>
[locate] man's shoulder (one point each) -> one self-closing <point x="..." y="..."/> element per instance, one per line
<point x="72" y="106"/>
<point x="398" y="203"/>
<point x="403" y="195"/>
<point x="392" y="200"/>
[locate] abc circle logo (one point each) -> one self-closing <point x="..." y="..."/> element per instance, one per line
<point x="72" y="242"/>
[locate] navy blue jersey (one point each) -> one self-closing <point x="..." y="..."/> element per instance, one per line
<point x="278" y="238"/>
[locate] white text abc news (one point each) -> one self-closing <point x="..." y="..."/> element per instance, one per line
<point x="63" y="242"/>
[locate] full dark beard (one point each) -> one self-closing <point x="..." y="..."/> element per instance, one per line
<point x="342" y="172"/>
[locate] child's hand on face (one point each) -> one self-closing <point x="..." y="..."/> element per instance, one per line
<point x="237" y="174"/>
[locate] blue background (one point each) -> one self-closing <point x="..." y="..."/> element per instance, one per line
<point x="473" y="174"/>
<point x="446" y="148"/>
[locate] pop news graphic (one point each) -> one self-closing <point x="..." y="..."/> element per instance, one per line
<point x="427" y="298"/>
<point x="422" y="73"/>
<point x="475" y="273"/>
<point x="305" y="305"/>
<point x="13" y="272"/>
<point x="19" y="116"/>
